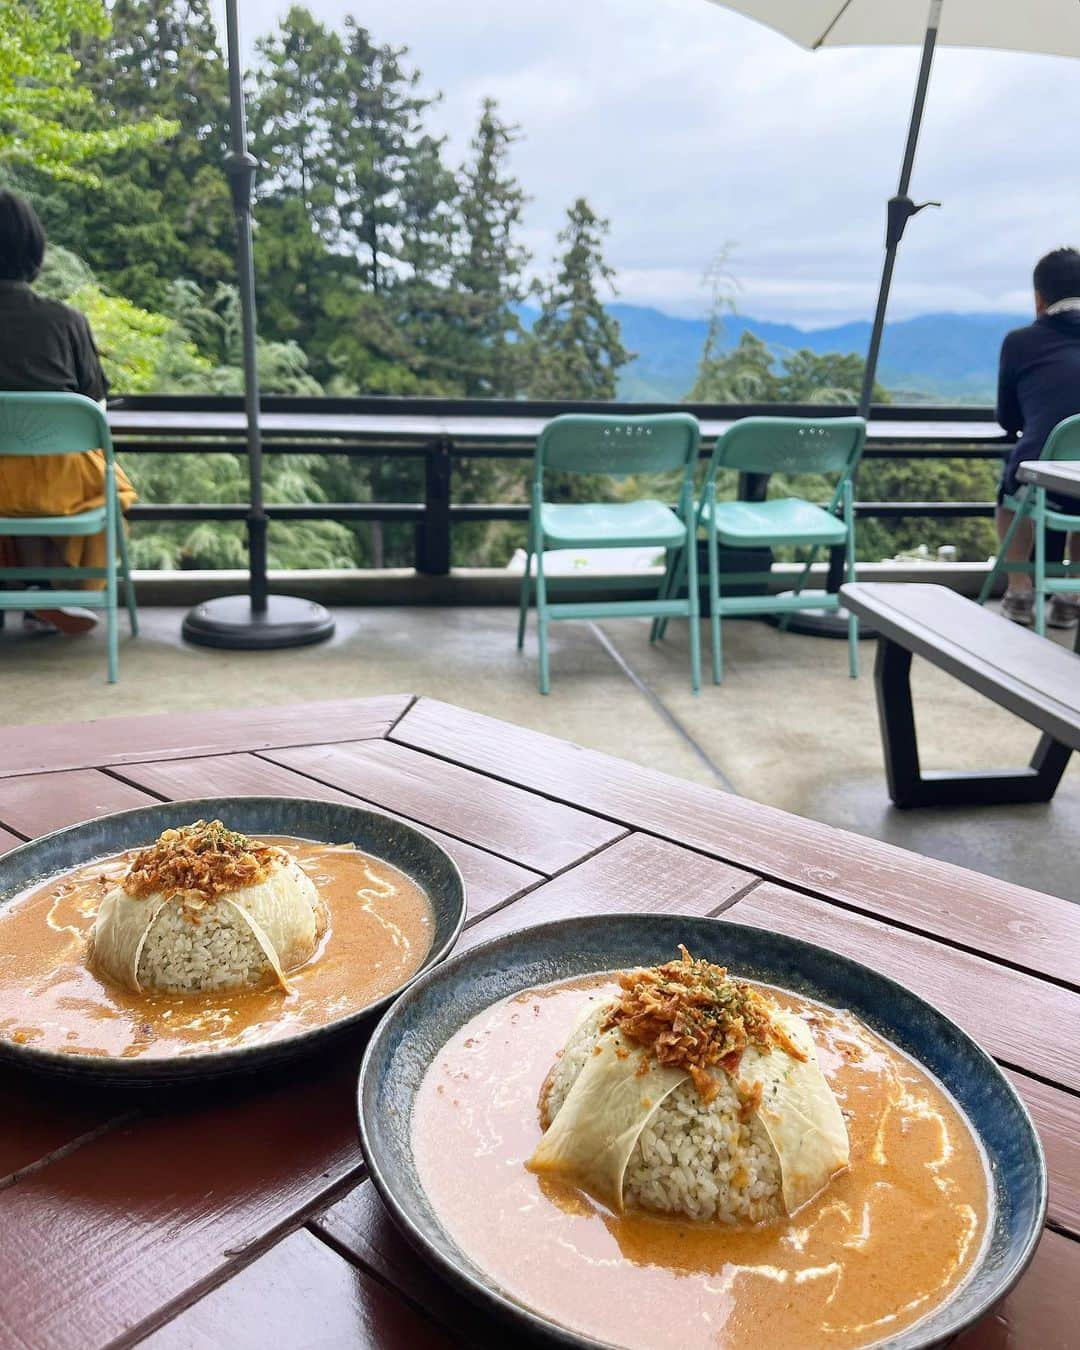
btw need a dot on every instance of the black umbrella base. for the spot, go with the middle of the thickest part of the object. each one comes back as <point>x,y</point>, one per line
<point>820,622</point>
<point>230,622</point>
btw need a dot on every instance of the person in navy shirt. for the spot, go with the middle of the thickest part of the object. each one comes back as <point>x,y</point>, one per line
<point>1038,387</point>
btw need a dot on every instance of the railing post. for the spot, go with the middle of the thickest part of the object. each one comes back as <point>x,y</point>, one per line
<point>433,532</point>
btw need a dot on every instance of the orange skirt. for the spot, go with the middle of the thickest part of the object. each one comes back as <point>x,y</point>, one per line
<point>60,485</point>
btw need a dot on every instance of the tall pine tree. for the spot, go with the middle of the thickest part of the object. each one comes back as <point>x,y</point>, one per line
<point>576,349</point>
<point>489,276</point>
<point>299,87</point>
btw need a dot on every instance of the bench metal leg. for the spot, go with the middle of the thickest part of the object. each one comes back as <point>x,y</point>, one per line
<point>909,786</point>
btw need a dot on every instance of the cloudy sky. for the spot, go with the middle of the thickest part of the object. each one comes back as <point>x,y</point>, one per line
<point>690,127</point>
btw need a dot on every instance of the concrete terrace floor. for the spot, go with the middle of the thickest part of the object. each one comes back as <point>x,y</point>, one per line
<point>787,726</point>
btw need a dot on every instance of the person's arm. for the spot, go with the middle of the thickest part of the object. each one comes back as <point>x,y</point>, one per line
<point>91,377</point>
<point>1008,404</point>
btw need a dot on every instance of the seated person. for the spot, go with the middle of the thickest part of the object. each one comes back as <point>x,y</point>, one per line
<point>1038,387</point>
<point>47,347</point>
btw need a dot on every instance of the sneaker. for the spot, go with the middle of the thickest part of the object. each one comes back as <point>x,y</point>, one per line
<point>71,622</point>
<point>1063,611</point>
<point>1019,606</point>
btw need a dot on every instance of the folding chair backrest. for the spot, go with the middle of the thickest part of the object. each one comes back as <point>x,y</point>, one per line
<point>52,424</point>
<point>591,443</point>
<point>791,445</point>
<point>1064,441</point>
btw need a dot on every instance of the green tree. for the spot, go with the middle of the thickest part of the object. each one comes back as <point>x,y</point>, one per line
<point>711,383</point>
<point>576,350</point>
<point>743,374</point>
<point>141,352</point>
<point>162,209</point>
<point>43,105</point>
<point>489,272</point>
<point>298,89</point>
<point>392,190</point>
<point>395,203</point>
<point>751,372</point>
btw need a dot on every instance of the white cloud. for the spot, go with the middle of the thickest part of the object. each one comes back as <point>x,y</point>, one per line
<point>688,125</point>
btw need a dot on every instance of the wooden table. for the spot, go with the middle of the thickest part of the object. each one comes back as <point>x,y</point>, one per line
<point>239,1215</point>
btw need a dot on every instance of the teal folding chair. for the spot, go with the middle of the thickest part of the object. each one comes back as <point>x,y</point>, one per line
<point>1062,443</point>
<point>769,445</point>
<point>65,424</point>
<point>618,446</point>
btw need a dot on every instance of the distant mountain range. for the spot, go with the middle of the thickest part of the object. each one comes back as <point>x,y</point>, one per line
<point>943,357</point>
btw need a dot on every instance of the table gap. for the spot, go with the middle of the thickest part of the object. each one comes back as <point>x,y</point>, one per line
<point>776,878</point>
<point>417,820</point>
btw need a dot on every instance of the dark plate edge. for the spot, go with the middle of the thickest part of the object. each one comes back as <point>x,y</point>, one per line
<point>506,1307</point>
<point>114,1070</point>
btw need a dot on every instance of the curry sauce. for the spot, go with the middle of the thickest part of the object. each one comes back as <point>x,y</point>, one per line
<point>880,1247</point>
<point>380,928</point>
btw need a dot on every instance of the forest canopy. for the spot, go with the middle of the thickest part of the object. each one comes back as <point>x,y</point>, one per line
<point>383,265</point>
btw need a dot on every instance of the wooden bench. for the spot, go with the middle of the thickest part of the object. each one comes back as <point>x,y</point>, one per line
<point>1030,676</point>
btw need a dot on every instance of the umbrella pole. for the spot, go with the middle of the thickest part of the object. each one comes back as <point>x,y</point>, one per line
<point>256,620</point>
<point>900,209</point>
<point>831,622</point>
<point>240,165</point>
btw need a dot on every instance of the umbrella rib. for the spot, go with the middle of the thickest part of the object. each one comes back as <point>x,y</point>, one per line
<point>832,23</point>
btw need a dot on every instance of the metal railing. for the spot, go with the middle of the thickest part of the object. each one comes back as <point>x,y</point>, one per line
<point>439,433</point>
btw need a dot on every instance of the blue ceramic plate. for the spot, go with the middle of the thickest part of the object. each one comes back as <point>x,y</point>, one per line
<point>420,1023</point>
<point>329,822</point>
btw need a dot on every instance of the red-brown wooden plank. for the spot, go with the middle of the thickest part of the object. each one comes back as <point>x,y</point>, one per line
<point>38,1117</point>
<point>1024,927</point>
<point>360,1225</point>
<point>546,836</point>
<point>637,875</point>
<point>97,1242</point>
<point>126,740</point>
<point>1026,1022</point>
<point>8,840</point>
<point>300,1293</point>
<point>1041,1312</point>
<point>489,880</point>
<point>1057,1118</point>
<point>37,803</point>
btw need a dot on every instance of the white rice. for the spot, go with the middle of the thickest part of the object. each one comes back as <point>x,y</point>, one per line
<point>218,952</point>
<point>697,1161</point>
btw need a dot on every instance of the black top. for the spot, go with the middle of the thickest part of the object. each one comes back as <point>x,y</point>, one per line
<point>45,346</point>
<point>1038,384</point>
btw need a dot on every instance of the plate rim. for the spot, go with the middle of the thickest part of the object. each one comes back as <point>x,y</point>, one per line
<point>229,1060</point>
<point>503,1304</point>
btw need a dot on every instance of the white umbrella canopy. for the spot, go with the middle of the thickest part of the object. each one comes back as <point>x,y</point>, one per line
<point>1048,27</point>
<point>1051,27</point>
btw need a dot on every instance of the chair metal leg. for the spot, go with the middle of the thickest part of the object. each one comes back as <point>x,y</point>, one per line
<point>1003,548</point>
<point>542,620</point>
<point>523,602</point>
<point>111,550</point>
<point>853,622</point>
<point>678,576</point>
<point>671,562</point>
<point>714,605</point>
<point>910,787</point>
<point>129,589</point>
<point>811,554</point>
<point>693,596</point>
